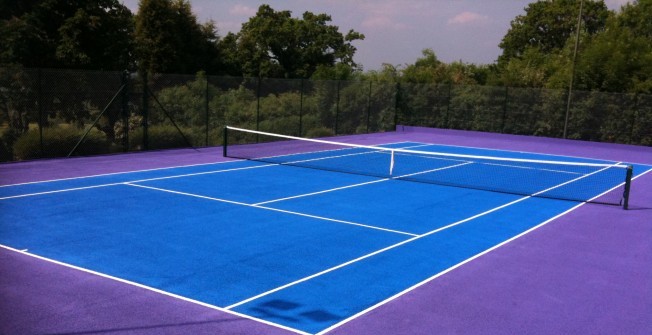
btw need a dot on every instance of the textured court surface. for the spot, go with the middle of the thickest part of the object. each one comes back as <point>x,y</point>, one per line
<point>584,271</point>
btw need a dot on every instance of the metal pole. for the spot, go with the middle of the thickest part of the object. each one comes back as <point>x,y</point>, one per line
<point>145,103</point>
<point>505,106</point>
<point>397,97</point>
<point>570,86</point>
<point>337,106</point>
<point>207,117</point>
<point>39,101</point>
<point>448,106</point>
<point>301,109</point>
<point>369,106</point>
<point>125,111</point>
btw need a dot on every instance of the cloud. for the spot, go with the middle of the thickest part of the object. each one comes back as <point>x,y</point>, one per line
<point>383,14</point>
<point>242,10</point>
<point>382,21</point>
<point>616,4</point>
<point>468,17</point>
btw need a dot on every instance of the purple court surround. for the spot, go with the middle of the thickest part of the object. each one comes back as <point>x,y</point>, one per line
<point>587,272</point>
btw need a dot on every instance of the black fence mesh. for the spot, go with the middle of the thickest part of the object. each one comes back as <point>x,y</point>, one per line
<point>58,113</point>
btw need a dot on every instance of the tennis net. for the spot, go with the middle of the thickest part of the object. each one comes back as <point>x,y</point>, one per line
<point>574,181</point>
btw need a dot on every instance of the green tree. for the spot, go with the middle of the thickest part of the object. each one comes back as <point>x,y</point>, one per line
<point>428,69</point>
<point>169,38</point>
<point>531,69</point>
<point>619,59</point>
<point>547,25</point>
<point>9,9</point>
<point>93,34</point>
<point>274,44</point>
<point>97,37</point>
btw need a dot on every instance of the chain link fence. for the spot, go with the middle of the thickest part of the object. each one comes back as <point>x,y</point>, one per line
<point>60,113</point>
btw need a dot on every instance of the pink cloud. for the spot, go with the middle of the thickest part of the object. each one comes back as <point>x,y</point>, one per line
<point>242,10</point>
<point>382,22</point>
<point>468,17</point>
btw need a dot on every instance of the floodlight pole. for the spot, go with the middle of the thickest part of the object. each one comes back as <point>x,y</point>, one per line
<point>570,86</point>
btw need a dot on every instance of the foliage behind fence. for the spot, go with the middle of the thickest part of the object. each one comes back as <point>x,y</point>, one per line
<point>48,113</point>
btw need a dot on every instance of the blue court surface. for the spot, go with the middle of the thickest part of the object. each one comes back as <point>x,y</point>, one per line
<point>298,248</point>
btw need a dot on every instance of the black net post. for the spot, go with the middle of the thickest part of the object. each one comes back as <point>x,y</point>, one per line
<point>224,142</point>
<point>628,183</point>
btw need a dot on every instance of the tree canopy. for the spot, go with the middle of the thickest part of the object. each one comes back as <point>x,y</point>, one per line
<point>274,44</point>
<point>95,34</point>
<point>166,37</point>
<point>169,38</point>
<point>547,25</point>
<point>613,56</point>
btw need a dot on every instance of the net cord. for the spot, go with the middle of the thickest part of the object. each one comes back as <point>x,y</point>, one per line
<point>431,154</point>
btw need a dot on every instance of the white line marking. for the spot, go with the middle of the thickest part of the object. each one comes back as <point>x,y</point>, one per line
<point>357,185</point>
<point>427,153</point>
<point>175,296</point>
<point>397,245</point>
<point>116,173</point>
<point>320,192</point>
<point>272,209</point>
<point>533,152</point>
<point>439,274</point>
<point>229,160</point>
<point>149,288</point>
<point>331,269</point>
<point>136,181</point>
<point>58,191</point>
<point>143,180</point>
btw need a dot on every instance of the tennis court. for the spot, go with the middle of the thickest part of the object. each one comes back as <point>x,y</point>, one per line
<point>383,237</point>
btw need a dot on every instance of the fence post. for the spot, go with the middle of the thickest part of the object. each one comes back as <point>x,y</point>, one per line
<point>337,106</point>
<point>369,105</point>
<point>397,97</point>
<point>634,117</point>
<point>124,106</point>
<point>39,101</point>
<point>145,103</point>
<point>258,88</point>
<point>207,117</point>
<point>301,109</point>
<point>506,102</point>
<point>448,106</point>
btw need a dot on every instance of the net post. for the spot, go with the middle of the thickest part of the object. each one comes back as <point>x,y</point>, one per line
<point>628,183</point>
<point>224,142</point>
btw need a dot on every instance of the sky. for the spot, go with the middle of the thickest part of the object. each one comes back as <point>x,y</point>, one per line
<point>396,31</point>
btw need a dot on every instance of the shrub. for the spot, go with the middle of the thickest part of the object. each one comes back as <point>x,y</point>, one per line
<point>58,142</point>
<point>319,132</point>
<point>7,140</point>
<point>160,137</point>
